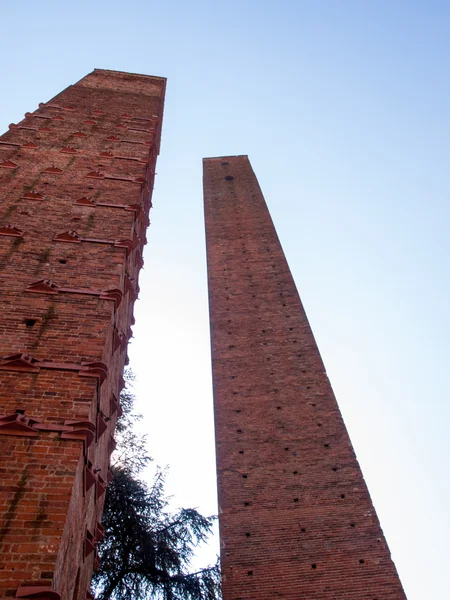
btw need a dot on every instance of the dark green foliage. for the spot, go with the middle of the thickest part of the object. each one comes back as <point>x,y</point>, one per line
<point>146,550</point>
<point>131,446</point>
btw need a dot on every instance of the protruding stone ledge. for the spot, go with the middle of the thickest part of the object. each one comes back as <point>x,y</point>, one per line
<point>46,286</point>
<point>37,592</point>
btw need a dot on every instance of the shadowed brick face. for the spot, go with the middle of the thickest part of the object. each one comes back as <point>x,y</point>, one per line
<point>296,519</point>
<point>76,177</point>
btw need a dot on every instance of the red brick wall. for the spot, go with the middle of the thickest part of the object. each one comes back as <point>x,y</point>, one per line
<point>81,165</point>
<point>296,519</point>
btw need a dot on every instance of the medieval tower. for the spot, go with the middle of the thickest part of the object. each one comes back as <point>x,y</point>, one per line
<point>296,519</point>
<point>76,178</point>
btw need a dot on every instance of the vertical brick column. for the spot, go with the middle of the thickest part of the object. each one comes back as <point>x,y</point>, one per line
<point>296,519</point>
<point>76,178</point>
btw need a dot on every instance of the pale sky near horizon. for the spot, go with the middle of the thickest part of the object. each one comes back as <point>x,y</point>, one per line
<point>343,109</point>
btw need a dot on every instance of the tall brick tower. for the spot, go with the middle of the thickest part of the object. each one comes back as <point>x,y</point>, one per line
<point>76,179</point>
<point>296,519</point>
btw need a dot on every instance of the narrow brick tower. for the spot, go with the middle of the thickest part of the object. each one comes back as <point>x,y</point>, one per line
<point>76,179</point>
<point>296,519</point>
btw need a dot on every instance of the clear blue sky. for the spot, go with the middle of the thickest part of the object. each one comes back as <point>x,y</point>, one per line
<point>343,108</point>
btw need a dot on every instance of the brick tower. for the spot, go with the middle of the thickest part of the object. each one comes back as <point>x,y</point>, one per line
<point>296,519</point>
<point>76,178</point>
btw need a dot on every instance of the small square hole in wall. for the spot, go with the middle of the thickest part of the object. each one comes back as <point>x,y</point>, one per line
<point>30,322</point>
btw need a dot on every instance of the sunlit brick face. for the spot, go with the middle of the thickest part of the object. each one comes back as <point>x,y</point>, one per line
<point>76,178</point>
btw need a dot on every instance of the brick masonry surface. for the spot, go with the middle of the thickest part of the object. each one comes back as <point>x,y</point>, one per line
<point>76,178</point>
<point>296,518</point>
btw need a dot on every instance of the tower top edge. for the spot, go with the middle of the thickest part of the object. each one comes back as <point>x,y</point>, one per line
<point>129,73</point>
<point>229,156</point>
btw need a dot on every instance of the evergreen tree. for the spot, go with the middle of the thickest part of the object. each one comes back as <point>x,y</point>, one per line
<point>146,551</point>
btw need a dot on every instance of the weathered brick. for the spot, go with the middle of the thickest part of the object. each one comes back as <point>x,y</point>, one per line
<point>296,518</point>
<point>52,190</point>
